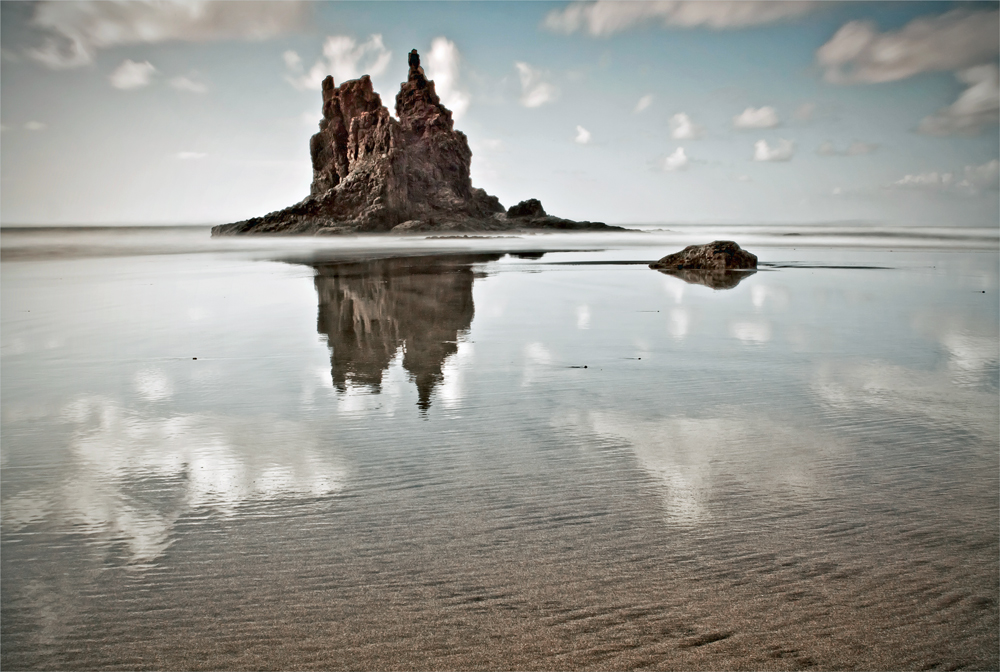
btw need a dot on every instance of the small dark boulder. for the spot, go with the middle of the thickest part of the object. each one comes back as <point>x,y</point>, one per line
<point>529,208</point>
<point>721,255</point>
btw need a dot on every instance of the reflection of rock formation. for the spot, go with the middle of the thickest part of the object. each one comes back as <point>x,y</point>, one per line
<point>713,279</point>
<point>369,309</point>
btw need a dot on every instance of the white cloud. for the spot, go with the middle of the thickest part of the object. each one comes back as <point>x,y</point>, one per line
<point>644,103</point>
<point>676,161</point>
<point>764,117</point>
<point>607,17</point>
<point>131,75</point>
<point>189,156</point>
<point>957,39</point>
<point>535,91</point>
<point>188,84</point>
<point>976,108</point>
<point>35,126</point>
<point>345,59</point>
<point>582,136</point>
<point>77,30</point>
<point>783,150</point>
<point>442,67</point>
<point>975,179</point>
<point>856,148</point>
<point>682,128</point>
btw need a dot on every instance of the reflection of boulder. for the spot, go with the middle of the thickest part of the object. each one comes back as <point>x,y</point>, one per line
<point>369,309</point>
<point>713,279</point>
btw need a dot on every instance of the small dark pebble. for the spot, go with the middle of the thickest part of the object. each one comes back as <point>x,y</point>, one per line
<point>194,358</point>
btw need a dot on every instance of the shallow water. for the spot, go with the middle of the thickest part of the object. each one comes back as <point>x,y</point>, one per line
<point>529,452</point>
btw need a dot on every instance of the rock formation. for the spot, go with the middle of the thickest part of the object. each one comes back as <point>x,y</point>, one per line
<point>720,265</point>
<point>372,173</point>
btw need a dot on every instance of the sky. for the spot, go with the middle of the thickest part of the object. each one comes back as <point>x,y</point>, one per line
<point>670,112</point>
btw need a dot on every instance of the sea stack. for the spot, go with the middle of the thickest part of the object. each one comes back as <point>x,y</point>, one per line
<point>372,173</point>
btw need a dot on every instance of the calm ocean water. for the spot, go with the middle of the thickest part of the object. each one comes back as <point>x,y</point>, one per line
<point>517,452</point>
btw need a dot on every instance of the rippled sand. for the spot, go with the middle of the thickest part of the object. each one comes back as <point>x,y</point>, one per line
<point>215,460</point>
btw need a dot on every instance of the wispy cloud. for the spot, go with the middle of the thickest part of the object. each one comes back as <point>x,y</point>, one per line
<point>190,156</point>
<point>182,83</point>
<point>443,67</point>
<point>345,59</point>
<point>35,126</point>
<point>608,17</point>
<point>131,75</point>
<point>961,38</point>
<point>644,103</point>
<point>76,31</point>
<point>764,117</point>
<point>535,89</point>
<point>976,108</point>
<point>582,136</point>
<point>783,150</point>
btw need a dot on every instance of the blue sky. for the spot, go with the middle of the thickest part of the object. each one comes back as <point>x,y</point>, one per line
<point>655,112</point>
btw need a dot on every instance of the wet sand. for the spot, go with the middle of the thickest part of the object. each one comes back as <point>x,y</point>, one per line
<point>400,463</point>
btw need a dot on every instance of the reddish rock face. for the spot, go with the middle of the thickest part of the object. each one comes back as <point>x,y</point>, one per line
<point>374,172</point>
<point>354,125</point>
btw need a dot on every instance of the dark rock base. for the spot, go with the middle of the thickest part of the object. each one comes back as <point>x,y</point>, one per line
<point>304,220</point>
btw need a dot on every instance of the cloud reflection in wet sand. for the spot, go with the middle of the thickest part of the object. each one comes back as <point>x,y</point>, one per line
<point>134,476</point>
<point>692,457</point>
